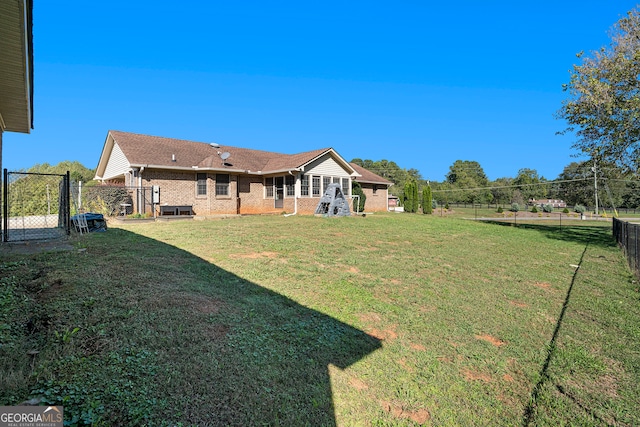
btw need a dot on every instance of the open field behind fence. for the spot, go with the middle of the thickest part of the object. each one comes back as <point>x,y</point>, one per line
<point>627,234</point>
<point>392,319</point>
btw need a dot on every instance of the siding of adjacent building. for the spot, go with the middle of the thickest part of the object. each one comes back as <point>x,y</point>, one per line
<point>117,165</point>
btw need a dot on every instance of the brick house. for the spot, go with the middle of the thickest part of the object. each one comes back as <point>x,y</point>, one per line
<point>553,202</point>
<point>210,179</point>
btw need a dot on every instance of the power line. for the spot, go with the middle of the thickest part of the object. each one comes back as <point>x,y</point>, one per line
<point>512,186</point>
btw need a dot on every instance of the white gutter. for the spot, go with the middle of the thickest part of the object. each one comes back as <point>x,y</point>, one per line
<point>295,202</point>
<point>140,170</point>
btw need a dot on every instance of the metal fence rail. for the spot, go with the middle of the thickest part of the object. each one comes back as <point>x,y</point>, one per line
<point>627,235</point>
<point>35,206</point>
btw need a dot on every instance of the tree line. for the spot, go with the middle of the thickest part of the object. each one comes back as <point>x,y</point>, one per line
<point>466,182</point>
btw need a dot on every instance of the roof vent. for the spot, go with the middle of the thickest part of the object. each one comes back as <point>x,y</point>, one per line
<point>173,157</point>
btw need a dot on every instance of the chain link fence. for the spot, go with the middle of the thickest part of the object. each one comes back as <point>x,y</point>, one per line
<point>627,235</point>
<point>113,200</point>
<point>35,206</point>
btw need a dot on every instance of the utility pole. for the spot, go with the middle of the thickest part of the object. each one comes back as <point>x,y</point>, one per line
<point>595,182</point>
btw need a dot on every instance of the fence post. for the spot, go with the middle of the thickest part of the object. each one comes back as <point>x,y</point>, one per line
<point>5,207</point>
<point>635,244</point>
<point>67,203</point>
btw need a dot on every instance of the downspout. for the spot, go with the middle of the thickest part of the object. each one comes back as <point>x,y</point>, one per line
<point>139,198</point>
<point>295,201</point>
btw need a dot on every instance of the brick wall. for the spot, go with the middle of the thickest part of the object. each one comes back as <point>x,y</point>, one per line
<point>375,202</point>
<point>179,188</point>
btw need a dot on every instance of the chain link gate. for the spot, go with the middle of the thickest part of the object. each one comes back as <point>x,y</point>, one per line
<point>36,206</point>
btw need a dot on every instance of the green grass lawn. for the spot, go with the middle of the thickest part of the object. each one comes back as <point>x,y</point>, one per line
<point>391,319</point>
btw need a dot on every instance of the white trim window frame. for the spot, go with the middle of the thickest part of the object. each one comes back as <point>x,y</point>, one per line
<point>304,185</point>
<point>315,186</point>
<point>223,183</point>
<point>345,187</point>
<point>290,186</point>
<point>326,181</point>
<point>268,187</point>
<point>201,184</point>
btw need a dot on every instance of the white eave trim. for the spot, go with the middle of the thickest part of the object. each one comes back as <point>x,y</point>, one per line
<point>334,154</point>
<point>374,182</point>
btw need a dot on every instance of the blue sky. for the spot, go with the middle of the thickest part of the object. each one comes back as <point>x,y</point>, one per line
<point>420,83</point>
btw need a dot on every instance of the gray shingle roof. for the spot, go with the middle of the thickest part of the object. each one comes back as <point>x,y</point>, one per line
<point>159,151</point>
<point>368,176</point>
<point>156,151</point>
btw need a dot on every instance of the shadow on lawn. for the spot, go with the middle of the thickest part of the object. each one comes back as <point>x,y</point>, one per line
<point>227,351</point>
<point>585,234</point>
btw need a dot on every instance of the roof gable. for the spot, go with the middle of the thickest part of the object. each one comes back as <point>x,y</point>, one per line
<point>170,153</point>
<point>369,177</point>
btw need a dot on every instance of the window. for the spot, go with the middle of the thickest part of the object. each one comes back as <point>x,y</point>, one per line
<point>290,183</point>
<point>326,181</point>
<point>345,186</point>
<point>336,180</point>
<point>304,185</point>
<point>316,186</point>
<point>222,184</point>
<point>201,186</point>
<point>375,188</point>
<point>268,188</point>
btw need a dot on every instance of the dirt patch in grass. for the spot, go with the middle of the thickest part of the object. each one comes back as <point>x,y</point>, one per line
<point>542,285</point>
<point>50,291</point>
<point>217,332</point>
<point>491,340</point>
<point>384,335</point>
<point>358,384</point>
<point>406,366</point>
<point>470,375</point>
<point>255,255</point>
<point>418,347</point>
<point>370,318</point>
<point>419,416</point>
<point>519,304</point>
<point>36,247</point>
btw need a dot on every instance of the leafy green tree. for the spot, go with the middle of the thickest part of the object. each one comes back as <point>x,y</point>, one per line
<point>33,194</point>
<point>631,196</point>
<point>502,191</point>
<point>427,200</point>
<point>469,179</point>
<point>575,184</point>
<point>411,201</point>
<point>407,201</point>
<point>530,184</point>
<point>77,171</point>
<point>603,105</point>
<point>356,190</point>
<point>391,171</point>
